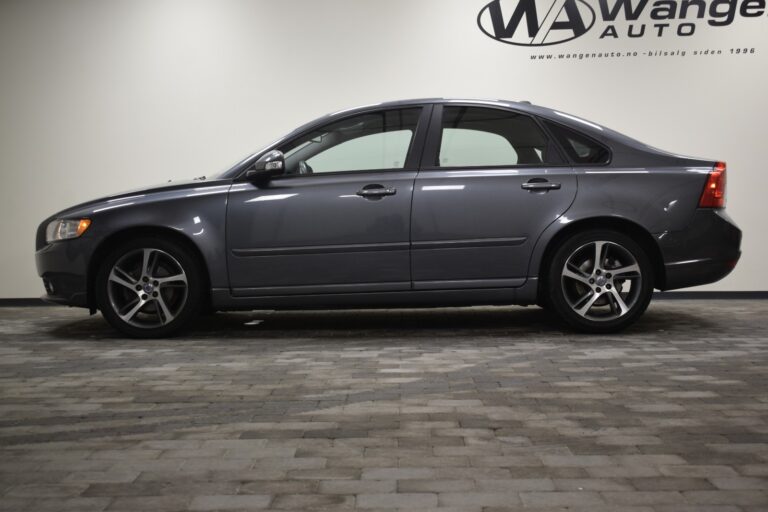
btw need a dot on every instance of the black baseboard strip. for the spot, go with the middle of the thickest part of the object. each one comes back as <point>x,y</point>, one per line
<point>20,303</point>
<point>710,295</point>
<point>17,303</point>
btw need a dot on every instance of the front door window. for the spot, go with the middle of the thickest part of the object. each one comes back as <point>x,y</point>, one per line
<point>368,142</point>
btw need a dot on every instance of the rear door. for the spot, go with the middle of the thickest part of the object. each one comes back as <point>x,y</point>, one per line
<point>491,182</point>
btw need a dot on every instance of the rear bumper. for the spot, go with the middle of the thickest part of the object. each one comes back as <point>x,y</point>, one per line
<point>705,252</point>
<point>64,270</point>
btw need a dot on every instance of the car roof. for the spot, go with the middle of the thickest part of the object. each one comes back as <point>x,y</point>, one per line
<point>520,106</point>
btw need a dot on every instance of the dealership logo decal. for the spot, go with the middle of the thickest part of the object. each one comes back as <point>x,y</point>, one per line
<point>562,21</point>
<point>548,22</point>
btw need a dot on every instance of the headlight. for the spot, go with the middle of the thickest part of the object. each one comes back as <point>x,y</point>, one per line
<point>63,229</point>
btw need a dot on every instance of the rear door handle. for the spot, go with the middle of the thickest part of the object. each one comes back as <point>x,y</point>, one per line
<point>376,191</point>
<point>540,185</point>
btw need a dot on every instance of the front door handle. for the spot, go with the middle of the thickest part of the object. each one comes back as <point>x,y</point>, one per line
<point>539,184</point>
<point>376,191</point>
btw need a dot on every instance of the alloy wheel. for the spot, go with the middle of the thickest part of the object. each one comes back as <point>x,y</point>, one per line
<point>601,281</point>
<point>147,288</point>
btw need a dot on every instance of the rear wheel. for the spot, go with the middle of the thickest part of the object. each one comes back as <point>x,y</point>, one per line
<point>149,287</point>
<point>599,281</point>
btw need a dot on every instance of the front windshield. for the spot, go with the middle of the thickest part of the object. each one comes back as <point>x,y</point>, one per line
<point>225,173</point>
<point>231,171</point>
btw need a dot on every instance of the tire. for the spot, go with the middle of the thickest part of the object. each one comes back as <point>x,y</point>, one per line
<point>149,287</point>
<point>602,299</point>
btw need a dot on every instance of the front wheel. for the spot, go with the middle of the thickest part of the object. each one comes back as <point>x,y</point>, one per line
<point>149,287</point>
<point>600,281</point>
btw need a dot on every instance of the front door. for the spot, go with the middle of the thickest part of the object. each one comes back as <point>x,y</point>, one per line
<point>338,220</point>
<point>491,183</point>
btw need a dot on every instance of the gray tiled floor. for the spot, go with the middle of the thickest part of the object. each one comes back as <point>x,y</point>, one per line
<point>485,409</point>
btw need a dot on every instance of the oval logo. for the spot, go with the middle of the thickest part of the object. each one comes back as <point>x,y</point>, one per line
<point>536,22</point>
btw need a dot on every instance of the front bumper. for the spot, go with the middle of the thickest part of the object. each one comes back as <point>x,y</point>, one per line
<point>705,252</point>
<point>64,269</point>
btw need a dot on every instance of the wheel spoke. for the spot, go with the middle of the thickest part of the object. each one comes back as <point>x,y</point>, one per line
<point>166,316</point>
<point>578,276</point>
<point>598,264</point>
<point>135,309</point>
<point>612,304</point>
<point>619,301</point>
<point>178,278</point>
<point>148,263</point>
<point>127,276</point>
<point>583,298</point>
<point>586,307</point>
<point>633,271</point>
<point>119,279</point>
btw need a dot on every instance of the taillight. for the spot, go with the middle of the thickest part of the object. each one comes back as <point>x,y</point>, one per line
<point>714,191</point>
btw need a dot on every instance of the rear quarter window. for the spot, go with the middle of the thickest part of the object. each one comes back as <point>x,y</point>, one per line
<point>580,148</point>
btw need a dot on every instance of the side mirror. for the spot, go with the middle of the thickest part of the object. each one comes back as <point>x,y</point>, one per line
<point>269,165</point>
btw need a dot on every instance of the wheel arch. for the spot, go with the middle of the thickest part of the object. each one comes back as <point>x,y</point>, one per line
<point>638,233</point>
<point>111,241</point>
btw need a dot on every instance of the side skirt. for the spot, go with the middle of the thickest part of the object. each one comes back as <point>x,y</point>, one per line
<point>222,299</point>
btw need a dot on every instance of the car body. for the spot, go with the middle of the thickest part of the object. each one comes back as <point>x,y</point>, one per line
<point>478,198</point>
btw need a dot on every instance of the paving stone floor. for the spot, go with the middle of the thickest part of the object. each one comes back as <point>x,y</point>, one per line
<point>484,409</point>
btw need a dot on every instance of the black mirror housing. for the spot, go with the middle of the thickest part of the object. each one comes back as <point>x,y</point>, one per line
<point>270,165</point>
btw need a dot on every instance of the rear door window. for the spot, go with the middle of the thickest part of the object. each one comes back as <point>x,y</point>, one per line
<point>486,137</point>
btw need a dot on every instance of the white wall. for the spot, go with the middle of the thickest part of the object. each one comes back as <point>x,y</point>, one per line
<point>98,97</point>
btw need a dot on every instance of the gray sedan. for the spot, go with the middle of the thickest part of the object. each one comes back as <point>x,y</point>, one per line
<point>412,203</point>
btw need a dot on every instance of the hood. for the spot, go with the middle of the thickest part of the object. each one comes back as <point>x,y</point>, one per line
<point>164,187</point>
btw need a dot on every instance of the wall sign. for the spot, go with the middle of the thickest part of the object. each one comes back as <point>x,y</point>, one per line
<point>536,23</point>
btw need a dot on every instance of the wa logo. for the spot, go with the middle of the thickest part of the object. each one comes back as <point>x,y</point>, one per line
<point>536,22</point>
